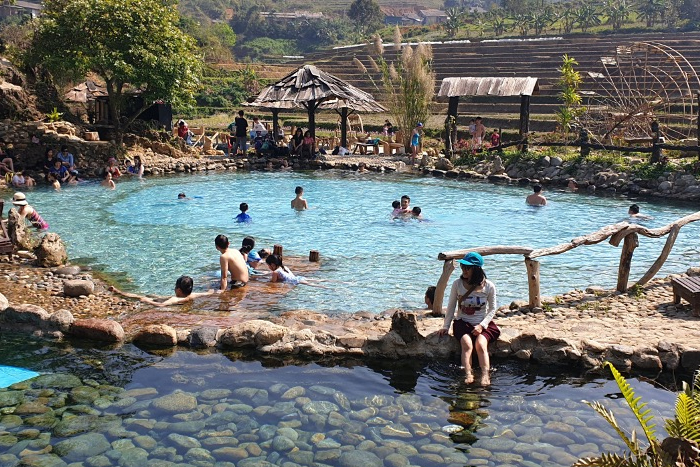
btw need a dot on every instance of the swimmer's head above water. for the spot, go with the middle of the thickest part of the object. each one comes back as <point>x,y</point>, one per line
<point>181,196</point>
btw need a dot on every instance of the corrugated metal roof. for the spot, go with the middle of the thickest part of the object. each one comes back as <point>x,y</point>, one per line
<point>333,104</point>
<point>503,87</point>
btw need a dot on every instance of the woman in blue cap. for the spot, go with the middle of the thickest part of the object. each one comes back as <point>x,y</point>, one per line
<point>474,297</point>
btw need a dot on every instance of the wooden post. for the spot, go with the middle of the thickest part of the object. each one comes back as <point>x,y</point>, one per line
<point>314,256</point>
<point>275,123</point>
<point>524,120</point>
<point>277,250</point>
<point>311,107</point>
<point>533,282</point>
<point>668,246</point>
<point>344,127</point>
<point>697,102</point>
<point>451,129</point>
<point>447,269</point>
<point>623,274</point>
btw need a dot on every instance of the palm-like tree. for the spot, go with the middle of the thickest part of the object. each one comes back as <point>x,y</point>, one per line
<point>587,16</point>
<point>523,23</point>
<point>453,22</point>
<point>497,21</point>
<point>567,17</point>
<point>541,19</point>
<point>650,10</point>
<point>617,11</point>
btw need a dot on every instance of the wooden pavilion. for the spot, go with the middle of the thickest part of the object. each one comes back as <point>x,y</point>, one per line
<point>454,88</point>
<point>313,89</point>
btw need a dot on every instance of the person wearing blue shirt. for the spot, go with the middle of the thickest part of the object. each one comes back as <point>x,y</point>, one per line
<point>243,216</point>
<point>67,160</point>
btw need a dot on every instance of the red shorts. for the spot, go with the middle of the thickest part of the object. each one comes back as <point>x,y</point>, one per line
<point>460,328</point>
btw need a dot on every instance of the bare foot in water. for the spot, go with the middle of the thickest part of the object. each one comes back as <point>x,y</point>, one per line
<point>469,378</point>
<point>485,379</point>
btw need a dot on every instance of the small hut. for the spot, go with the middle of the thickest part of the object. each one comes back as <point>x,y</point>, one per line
<point>314,89</point>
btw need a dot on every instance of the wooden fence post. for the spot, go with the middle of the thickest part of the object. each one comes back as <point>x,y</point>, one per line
<point>314,256</point>
<point>623,273</point>
<point>277,250</point>
<point>533,282</point>
<point>447,270</point>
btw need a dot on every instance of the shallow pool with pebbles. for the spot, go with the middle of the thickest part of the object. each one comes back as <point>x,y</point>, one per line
<point>127,407</point>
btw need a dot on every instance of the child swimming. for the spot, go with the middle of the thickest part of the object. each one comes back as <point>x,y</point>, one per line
<point>397,209</point>
<point>281,273</point>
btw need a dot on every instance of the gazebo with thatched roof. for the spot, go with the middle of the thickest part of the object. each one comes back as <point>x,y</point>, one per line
<point>314,89</point>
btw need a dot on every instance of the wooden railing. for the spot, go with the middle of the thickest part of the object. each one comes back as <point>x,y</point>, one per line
<point>623,231</point>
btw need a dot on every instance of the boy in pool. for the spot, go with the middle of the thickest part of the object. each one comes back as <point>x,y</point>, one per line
<point>183,293</point>
<point>536,198</point>
<point>231,260</point>
<point>243,216</point>
<point>299,203</point>
<point>416,213</point>
<point>430,297</point>
<point>634,213</point>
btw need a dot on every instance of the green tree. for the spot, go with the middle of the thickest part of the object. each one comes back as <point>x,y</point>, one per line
<point>523,23</point>
<point>453,22</point>
<point>569,83</point>
<point>497,20</point>
<point>586,16</point>
<point>366,15</point>
<point>128,43</point>
<point>541,19</point>
<point>650,11</point>
<point>617,11</point>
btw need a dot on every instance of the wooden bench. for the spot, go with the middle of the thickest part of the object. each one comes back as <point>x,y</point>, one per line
<point>363,147</point>
<point>689,289</point>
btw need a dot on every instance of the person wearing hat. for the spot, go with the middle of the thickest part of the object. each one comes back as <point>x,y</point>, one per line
<point>27,212</point>
<point>473,297</point>
<point>415,142</point>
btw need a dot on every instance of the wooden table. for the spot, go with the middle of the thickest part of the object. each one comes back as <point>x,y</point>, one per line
<point>364,146</point>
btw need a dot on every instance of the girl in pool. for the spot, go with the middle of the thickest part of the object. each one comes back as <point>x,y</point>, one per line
<point>281,273</point>
<point>27,212</point>
<point>474,297</point>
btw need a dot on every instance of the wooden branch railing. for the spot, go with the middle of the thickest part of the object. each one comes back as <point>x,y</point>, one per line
<point>616,232</point>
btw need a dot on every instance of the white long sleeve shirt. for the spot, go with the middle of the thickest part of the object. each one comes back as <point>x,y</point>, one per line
<point>478,308</point>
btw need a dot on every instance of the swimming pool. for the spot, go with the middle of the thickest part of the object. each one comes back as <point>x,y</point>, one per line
<point>146,237</point>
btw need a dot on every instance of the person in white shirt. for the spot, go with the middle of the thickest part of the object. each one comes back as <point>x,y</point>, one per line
<point>257,126</point>
<point>473,297</point>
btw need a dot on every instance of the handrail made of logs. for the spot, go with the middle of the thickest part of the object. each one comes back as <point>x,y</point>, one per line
<point>616,232</point>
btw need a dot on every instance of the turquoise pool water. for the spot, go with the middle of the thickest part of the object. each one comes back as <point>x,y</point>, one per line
<point>126,407</point>
<point>142,233</point>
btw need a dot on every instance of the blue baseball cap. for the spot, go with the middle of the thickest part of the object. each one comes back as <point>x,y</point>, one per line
<point>472,259</point>
<point>419,124</point>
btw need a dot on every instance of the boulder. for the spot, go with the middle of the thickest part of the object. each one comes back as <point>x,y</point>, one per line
<point>444,163</point>
<point>76,288</point>
<point>404,324</point>
<point>157,335</point>
<point>252,334</point>
<point>98,329</point>
<point>51,251</point>
<point>17,230</point>
<point>25,314</point>
<point>3,303</point>
<point>203,337</point>
<point>61,320</point>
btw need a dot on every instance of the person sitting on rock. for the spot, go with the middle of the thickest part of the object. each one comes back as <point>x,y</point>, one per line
<point>67,160</point>
<point>60,172</point>
<point>183,293</point>
<point>20,181</point>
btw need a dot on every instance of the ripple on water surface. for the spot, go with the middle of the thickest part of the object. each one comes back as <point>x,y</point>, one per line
<point>141,229</point>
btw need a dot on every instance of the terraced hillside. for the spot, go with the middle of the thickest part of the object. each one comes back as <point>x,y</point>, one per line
<point>539,59</point>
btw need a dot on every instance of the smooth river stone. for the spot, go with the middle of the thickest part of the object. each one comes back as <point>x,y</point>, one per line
<point>293,393</point>
<point>364,414</point>
<point>215,394</point>
<point>83,446</point>
<point>11,398</point>
<point>199,455</point>
<point>396,460</point>
<point>302,457</point>
<point>320,407</point>
<point>177,402</point>
<point>56,380</point>
<point>282,443</point>
<point>185,442</point>
<point>323,390</point>
<point>397,430</point>
<point>327,455</point>
<point>359,459</point>
<point>230,454</point>
<point>288,433</point>
<point>342,400</point>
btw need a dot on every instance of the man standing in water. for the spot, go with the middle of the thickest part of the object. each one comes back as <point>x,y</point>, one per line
<point>299,203</point>
<point>536,198</point>
<point>232,261</point>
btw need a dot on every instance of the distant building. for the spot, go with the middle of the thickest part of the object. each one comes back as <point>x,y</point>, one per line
<point>432,16</point>
<point>412,16</point>
<point>290,16</point>
<point>19,8</point>
<point>408,16</point>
